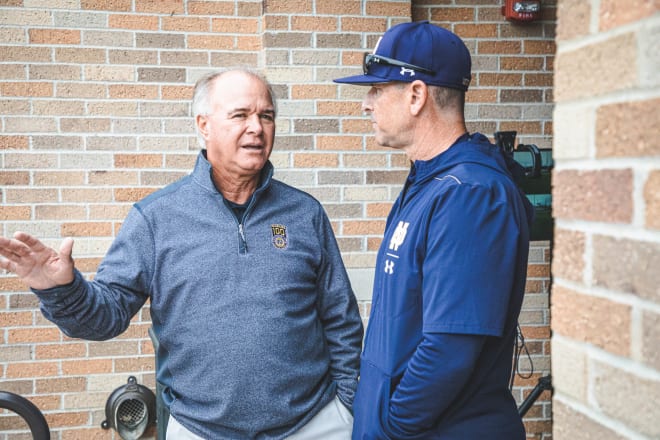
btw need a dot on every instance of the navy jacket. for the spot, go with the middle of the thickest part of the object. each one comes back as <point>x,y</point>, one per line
<point>257,324</point>
<point>449,283</point>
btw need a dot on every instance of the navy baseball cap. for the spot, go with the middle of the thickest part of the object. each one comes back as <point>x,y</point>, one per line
<point>416,50</point>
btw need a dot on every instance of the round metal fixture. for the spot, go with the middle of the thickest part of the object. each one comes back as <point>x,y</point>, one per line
<point>130,409</point>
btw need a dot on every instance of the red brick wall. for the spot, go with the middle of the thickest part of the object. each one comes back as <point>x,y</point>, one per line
<point>94,115</point>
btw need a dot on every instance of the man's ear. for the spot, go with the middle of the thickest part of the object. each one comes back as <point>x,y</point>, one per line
<point>202,125</point>
<point>419,94</point>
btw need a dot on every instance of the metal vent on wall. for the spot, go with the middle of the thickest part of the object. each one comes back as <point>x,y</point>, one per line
<point>130,409</point>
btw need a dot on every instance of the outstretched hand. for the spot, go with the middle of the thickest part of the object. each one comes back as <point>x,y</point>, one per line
<point>39,266</point>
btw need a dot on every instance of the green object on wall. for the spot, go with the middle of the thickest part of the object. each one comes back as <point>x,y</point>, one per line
<point>537,164</point>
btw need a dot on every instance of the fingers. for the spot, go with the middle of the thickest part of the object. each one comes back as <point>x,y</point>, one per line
<point>30,241</point>
<point>21,246</point>
<point>5,264</point>
<point>25,247</point>
<point>12,249</point>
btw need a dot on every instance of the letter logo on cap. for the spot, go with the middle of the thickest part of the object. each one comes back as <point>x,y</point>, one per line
<point>404,71</point>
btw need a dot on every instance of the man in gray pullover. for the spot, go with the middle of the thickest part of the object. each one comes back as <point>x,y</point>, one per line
<point>258,328</point>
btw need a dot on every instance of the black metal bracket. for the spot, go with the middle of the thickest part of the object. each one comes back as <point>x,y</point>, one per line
<point>544,383</point>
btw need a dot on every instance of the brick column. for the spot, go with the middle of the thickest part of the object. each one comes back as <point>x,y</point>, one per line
<point>605,296</point>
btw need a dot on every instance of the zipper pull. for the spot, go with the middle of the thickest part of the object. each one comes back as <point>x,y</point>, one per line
<point>242,234</point>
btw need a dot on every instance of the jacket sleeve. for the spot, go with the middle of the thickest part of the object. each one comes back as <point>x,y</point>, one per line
<point>469,262</point>
<point>340,317</point>
<point>102,309</point>
<point>435,376</point>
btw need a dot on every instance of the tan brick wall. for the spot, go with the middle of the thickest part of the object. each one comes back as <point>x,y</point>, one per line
<point>95,114</point>
<point>605,297</point>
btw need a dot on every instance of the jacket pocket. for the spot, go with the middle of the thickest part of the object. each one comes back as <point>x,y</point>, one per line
<point>371,404</point>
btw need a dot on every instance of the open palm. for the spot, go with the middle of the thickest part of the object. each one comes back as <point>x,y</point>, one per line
<point>39,266</point>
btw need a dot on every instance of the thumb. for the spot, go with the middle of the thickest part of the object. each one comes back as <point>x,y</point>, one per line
<point>66,248</point>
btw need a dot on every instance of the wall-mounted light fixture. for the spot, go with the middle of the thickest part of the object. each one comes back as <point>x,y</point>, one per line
<point>521,10</point>
<point>130,409</point>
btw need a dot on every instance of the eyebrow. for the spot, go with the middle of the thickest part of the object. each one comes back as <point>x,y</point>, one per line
<point>247,110</point>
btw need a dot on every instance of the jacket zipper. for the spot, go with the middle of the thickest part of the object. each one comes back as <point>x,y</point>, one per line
<point>241,232</point>
<point>243,247</point>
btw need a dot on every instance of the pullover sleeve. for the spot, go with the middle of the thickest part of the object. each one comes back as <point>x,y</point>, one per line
<point>103,308</point>
<point>340,317</point>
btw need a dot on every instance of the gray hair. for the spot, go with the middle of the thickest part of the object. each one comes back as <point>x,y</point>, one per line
<point>444,98</point>
<point>201,104</point>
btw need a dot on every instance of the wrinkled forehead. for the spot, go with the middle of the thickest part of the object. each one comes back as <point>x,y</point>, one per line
<point>238,90</point>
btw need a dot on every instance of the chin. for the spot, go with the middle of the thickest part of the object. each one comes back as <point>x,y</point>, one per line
<point>382,142</point>
<point>253,165</point>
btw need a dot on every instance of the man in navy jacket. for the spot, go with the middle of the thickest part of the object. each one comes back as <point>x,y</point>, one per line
<point>451,269</point>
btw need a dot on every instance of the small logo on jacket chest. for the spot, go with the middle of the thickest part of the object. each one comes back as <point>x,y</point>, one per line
<point>397,240</point>
<point>279,236</point>
<point>399,235</point>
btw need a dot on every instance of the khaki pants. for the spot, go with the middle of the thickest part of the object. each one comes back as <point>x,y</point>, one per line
<point>333,422</point>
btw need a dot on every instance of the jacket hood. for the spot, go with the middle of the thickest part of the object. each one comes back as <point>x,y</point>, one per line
<point>475,149</point>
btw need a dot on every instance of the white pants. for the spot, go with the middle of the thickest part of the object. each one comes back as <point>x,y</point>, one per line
<point>333,422</point>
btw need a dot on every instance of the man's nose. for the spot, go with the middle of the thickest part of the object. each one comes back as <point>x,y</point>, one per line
<point>367,103</point>
<point>254,124</point>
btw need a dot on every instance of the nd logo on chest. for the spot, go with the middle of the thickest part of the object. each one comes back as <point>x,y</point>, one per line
<point>397,240</point>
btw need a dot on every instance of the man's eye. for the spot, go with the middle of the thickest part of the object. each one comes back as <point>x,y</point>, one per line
<point>267,117</point>
<point>238,116</point>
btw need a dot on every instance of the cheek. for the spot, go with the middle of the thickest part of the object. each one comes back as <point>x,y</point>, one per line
<point>383,104</point>
<point>269,133</point>
<point>215,130</point>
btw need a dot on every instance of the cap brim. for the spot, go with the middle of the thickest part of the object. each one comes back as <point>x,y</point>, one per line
<point>361,80</point>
